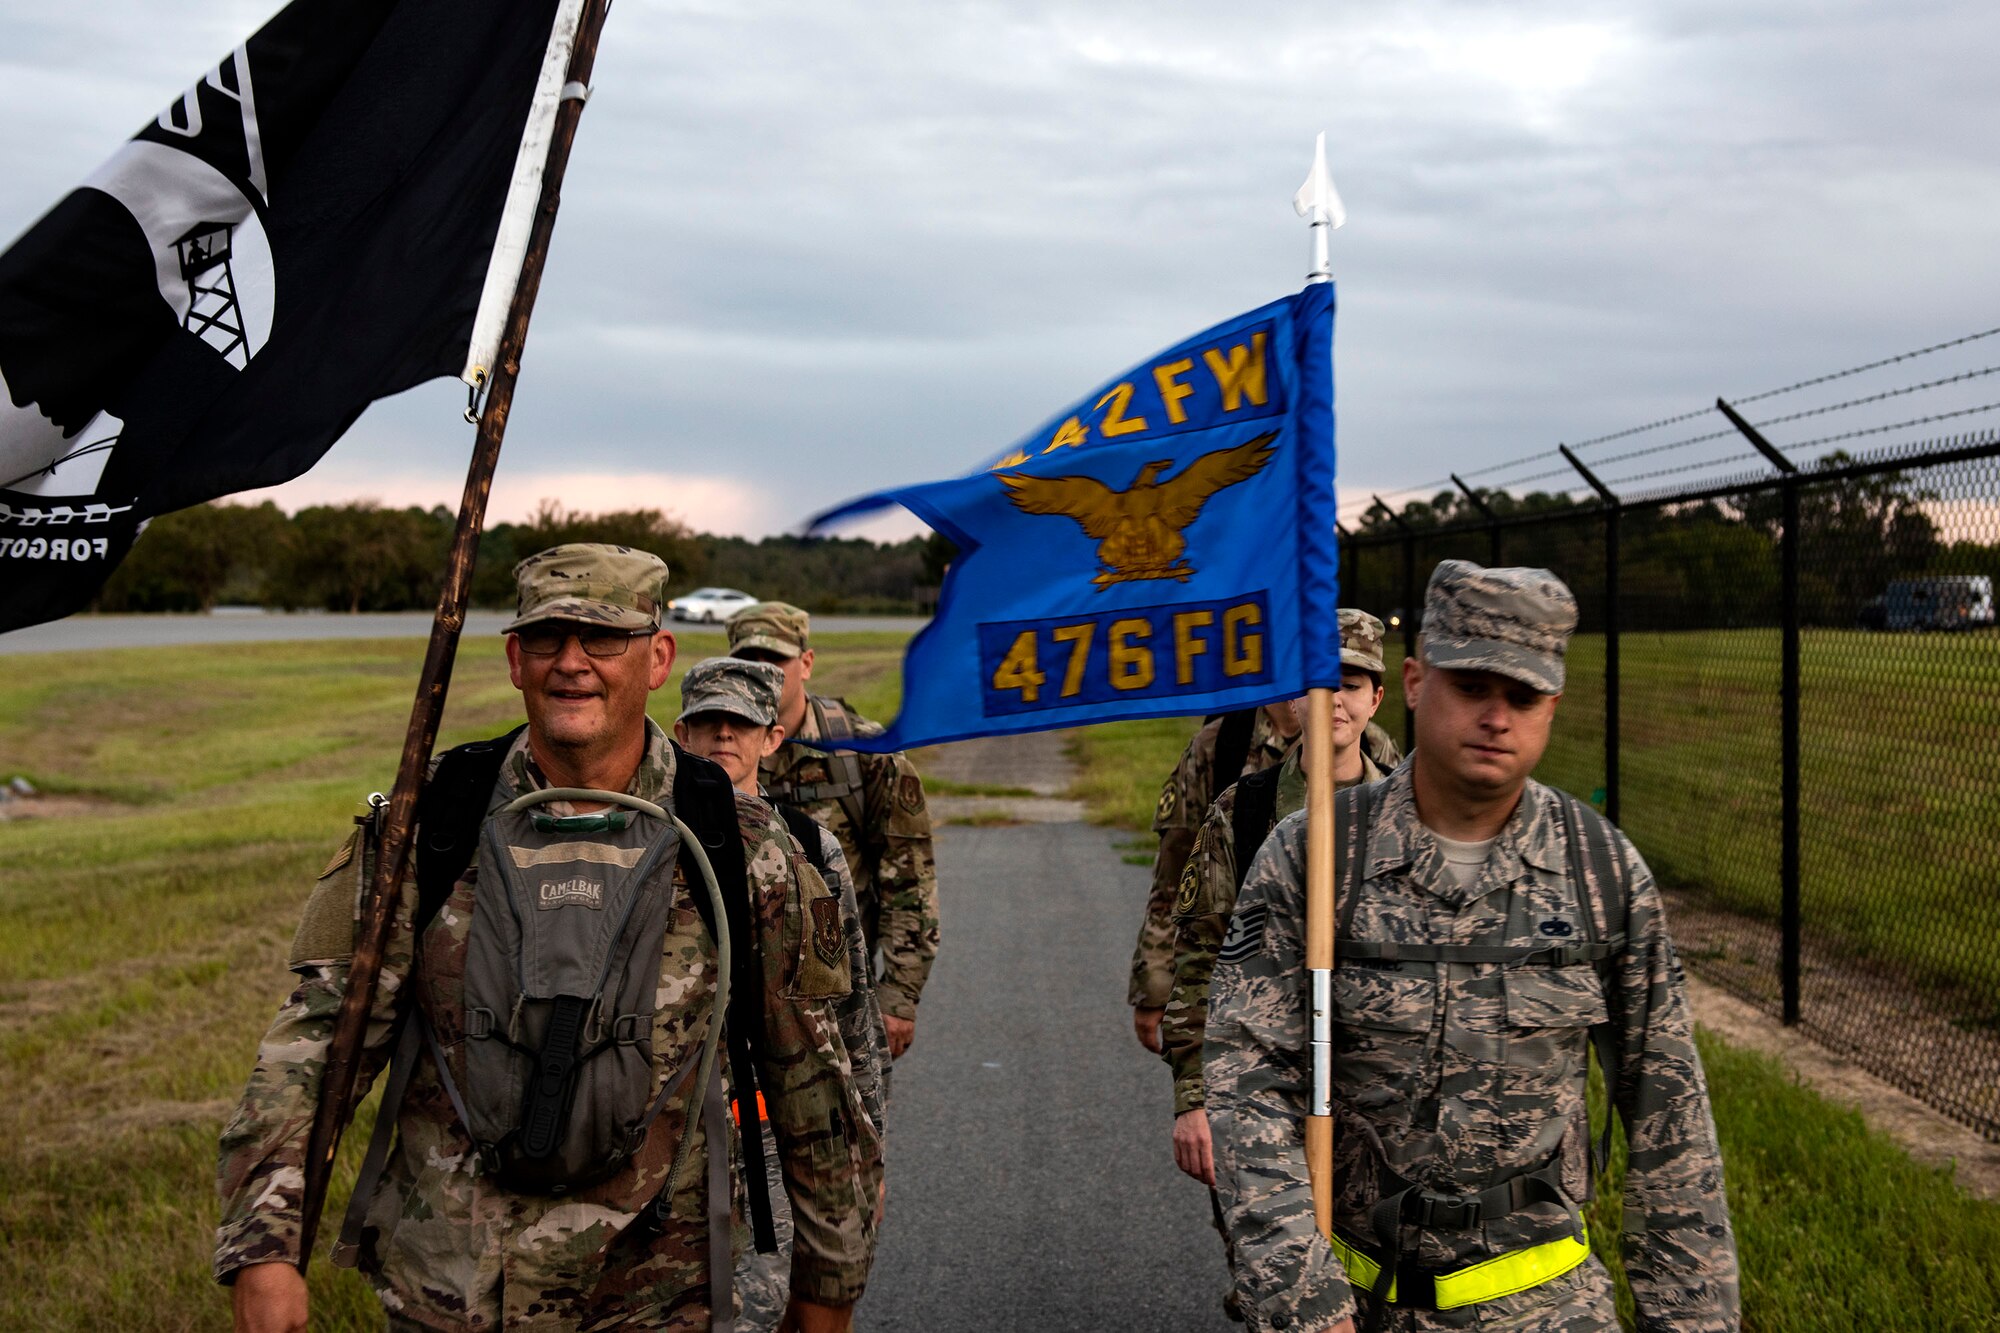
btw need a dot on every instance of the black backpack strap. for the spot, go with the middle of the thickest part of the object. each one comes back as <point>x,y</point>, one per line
<point>1232,745</point>
<point>1250,819</point>
<point>705,800</point>
<point>450,812</point>
<point>807,830</point>
<point>1594,856</point>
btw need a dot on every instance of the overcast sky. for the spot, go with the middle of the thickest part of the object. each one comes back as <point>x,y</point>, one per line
<point>809,249</point>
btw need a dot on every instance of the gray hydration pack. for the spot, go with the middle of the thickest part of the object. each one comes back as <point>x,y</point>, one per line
<point>562,969</point>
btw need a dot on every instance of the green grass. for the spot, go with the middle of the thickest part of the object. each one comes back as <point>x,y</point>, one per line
<point>142,943</point>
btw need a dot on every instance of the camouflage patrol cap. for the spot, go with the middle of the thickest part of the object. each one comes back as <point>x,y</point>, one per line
<point>774,627</point>
<point>1515,622</point>
<point>744,689</point>
<point>1360,640</point>
<point>588,581</point>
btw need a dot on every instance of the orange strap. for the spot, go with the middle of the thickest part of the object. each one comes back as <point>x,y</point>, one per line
<point>736,1109</point>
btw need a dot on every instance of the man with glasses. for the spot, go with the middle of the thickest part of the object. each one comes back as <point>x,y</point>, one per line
<point>444,1225</point>
<point>873,803</point>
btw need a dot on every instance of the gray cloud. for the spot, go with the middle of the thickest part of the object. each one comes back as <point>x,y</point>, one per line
<point>823,248</point>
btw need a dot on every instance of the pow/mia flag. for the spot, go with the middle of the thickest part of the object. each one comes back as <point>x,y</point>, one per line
<point>305,229</point>
<point>1162,547</point>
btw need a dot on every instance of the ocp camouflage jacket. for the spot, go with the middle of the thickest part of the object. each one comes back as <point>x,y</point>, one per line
<point>888,853</point>
<point>452,1250</point>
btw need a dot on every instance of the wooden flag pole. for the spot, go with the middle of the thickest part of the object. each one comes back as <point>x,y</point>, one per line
<point>1320,918</point>
<point>343,1061</point>
<point>1320,202</point>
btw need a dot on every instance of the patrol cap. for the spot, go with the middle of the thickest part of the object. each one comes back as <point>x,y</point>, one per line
<point>732,685</point>
<point>774,627</point>
<point>591,582</point>
<point>1360,640</point>
<point>1515,622</point>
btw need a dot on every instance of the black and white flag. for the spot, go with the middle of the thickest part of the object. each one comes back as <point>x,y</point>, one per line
<point>308,228</point>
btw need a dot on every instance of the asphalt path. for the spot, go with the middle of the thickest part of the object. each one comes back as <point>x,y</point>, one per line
<point>1031,1183</point>
<point>254,626</point>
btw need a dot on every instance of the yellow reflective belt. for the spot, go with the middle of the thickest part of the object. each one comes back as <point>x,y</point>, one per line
<point>1502,1275</point>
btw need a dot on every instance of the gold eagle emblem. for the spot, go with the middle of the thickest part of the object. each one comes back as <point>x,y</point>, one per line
<point>1138,529</point>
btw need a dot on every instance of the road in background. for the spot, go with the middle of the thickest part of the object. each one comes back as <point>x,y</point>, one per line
<point>254,626</point>
<point>1031,1181</point>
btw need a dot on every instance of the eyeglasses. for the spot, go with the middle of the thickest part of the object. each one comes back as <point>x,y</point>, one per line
<point>596,640</point>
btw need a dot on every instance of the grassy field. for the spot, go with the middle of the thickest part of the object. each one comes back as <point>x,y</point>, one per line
<point>142,938</point>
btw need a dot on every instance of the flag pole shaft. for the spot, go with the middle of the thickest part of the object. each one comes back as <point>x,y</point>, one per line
<point>338,1079</point>
<point>1320,918</point>
<point>1317,201</point>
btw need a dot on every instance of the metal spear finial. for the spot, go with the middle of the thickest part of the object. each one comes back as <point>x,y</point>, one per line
<point>1318,200</point>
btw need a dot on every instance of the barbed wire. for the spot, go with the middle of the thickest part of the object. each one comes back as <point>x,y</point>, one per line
<point>1872,365</point>
<point>1792,388</point>
<point>1444,483</point>
<point>1710,436</point>
<point>1882,430</point>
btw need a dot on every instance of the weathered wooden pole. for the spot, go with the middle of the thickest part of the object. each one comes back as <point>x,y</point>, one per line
<point>337,1094</point>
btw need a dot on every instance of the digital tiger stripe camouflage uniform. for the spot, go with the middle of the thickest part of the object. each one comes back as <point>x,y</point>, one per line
<point>1460,1081</point>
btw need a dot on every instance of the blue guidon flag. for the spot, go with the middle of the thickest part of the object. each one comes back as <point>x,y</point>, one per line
<point>1162,547</point>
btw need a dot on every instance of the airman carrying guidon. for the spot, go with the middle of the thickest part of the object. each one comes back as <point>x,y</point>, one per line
<point>1491,932</point>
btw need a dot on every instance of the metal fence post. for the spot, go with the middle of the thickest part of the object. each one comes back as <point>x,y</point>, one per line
<point>1410,612</point>
<point>1611,599</point>
<point>1791,915</point>
<point>1492,520</point>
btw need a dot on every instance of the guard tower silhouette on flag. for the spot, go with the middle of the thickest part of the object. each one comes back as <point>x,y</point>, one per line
<point>213,315</point>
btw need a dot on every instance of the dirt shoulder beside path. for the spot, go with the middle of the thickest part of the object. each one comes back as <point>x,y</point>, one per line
<point>1929,1137</point>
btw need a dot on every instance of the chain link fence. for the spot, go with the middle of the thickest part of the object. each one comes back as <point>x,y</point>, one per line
<point>1786,689</point>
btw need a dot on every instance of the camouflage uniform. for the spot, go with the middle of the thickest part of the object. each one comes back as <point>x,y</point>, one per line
<point>750,690</point>
<point>1207,891</point>
<point>449,1249</point>
<point>1461,1076</point>
<point>888,849</point>
<point>1176,818</point>
<point>761,1278</point>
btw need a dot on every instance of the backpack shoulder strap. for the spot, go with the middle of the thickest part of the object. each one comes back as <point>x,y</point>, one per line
<point>807,830</point>
<point>450,812</point>
<point>1594,856</point>
<point>1251,817</point>
<point>1232,745</point>
<point>705,800</point>
<point>836,724</point>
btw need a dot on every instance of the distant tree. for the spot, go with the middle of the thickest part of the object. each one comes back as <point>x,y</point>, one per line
<point>654,530</point>
<point>1855,534</point>
<point>186,560</point>
<point>362,557</point>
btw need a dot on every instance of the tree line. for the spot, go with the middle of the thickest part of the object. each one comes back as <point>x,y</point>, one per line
<point>1710,564</point>
<point>366,557</point>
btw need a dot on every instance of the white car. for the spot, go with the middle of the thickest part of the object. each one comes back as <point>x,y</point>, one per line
<point>710,606</point>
